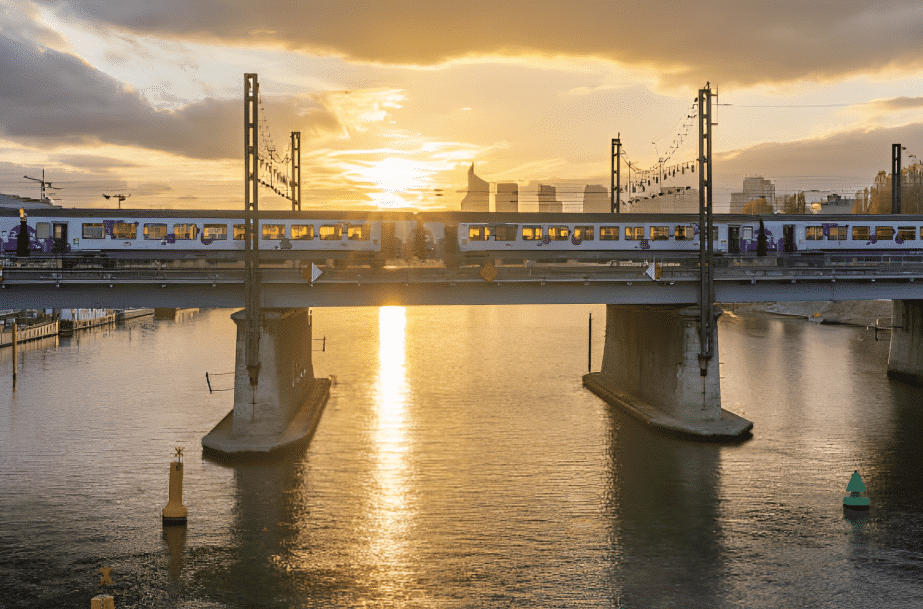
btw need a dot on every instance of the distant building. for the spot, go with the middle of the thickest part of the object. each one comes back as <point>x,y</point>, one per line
<point>596,200</point>
<point>17,202</point>
<point>507,198</point>
<point>755,187</point>
<point>671,200</point>
<point>478,195</point>
<point>548,199</point>
<point>833,204</point>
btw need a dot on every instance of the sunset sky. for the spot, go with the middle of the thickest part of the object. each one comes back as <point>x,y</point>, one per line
<point>395,100</point>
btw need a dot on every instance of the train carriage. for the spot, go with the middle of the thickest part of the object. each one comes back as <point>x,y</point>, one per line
<point>153,233</point>
<point>457,237</point>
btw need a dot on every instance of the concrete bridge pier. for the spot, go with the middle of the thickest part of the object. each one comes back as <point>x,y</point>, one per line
<point>282,410</point>
<point>651,370</point>
<point>905,359</point>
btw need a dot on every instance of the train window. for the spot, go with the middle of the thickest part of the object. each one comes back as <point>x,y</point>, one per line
<point>681,233</point>
<point>584,233</point>
<point>273,232</point>
<point>884,233</point>
<point>240,231</point>
<point>813,233</point>
<point>660,233</point>
<point>634,233</point>
<point>505,232</point>
<point>155,231</point>
<point>559,233</point>
<point>478,233</point>
<point>859,233</point>
<point>907,233</point>
<point>302,231</point>
<point>215,232</point>
<point>185,231</point>
<point>42,230</point>
<point>358,232</point>
<point>125,230</point>
<point>838,233</point>
<point>93,230</point>
<point>746,232</point>
<point>608,233</point>
<point>531,233</point>
<point>331,232</point>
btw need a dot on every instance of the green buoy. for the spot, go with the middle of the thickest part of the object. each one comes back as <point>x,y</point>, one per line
<point>855,501</point>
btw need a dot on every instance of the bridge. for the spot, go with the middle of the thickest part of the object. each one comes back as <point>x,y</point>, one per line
<point>652,365</point>
<point>178,282</point>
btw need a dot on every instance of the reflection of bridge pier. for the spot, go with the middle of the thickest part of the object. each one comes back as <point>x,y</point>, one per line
<point>651,369</point>
<point>284,408</point>
<point>905,359</point>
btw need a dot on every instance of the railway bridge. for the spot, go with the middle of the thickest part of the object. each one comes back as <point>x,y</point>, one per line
<point>651,366</point>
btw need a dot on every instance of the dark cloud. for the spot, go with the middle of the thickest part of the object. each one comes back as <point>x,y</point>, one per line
<point>49,98</point>
<point>91,162</point>
<point>859,156</point>
<point>724,41</point>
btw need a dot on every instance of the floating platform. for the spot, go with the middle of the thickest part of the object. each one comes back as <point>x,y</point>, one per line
<point>32,332</point>
<point>221,443</point>
<point>69,326</point>
<point>126,314</point>
<point>174,314</point>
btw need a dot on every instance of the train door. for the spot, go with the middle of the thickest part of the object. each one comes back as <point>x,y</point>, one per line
<point>733,239</point>
<point>59,236</point>
<point>788,235</point>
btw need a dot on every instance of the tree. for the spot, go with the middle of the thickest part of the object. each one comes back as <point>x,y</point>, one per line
<point>862,202</point>
<point>877,199</point>
<point>757,207</point>
<point>880,194</point>
<point>793,204</point>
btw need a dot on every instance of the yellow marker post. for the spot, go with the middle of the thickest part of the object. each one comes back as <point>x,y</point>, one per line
<point>175,512</point>
<point>102,601</point>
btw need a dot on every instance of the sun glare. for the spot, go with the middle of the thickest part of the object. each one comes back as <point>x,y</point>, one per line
<point>393,508</point>
<point>393,181</point>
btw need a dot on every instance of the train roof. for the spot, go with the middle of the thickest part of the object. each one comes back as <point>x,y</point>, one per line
<point>450,217</point>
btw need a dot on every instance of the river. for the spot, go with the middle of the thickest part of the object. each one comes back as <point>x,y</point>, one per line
<point>459,463</point>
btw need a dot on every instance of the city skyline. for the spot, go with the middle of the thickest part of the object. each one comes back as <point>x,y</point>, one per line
<point>394,103</point>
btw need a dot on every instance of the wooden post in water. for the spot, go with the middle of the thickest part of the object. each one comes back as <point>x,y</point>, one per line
<point>589,347</point>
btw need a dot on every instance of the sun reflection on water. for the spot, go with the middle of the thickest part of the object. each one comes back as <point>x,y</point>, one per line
<point>392,509</point>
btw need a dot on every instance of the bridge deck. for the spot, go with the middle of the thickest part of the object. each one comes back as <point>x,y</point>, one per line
<point>38,284</point>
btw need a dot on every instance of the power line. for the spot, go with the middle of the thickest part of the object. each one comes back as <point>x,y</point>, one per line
<point>796,105</point>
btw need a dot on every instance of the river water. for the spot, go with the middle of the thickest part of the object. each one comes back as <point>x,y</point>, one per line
<point>459,463</point>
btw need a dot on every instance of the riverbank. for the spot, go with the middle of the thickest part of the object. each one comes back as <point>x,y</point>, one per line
<point>852,312</point>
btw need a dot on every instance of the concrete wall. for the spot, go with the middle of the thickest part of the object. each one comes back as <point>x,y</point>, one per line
<point>905,360</point>
<point>286,372</point>
<point>651,353</point>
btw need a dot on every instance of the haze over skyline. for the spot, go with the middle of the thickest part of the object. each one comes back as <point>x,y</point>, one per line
<point>395,101</point>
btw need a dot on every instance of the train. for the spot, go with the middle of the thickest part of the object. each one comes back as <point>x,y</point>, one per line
<point>459,238</point>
